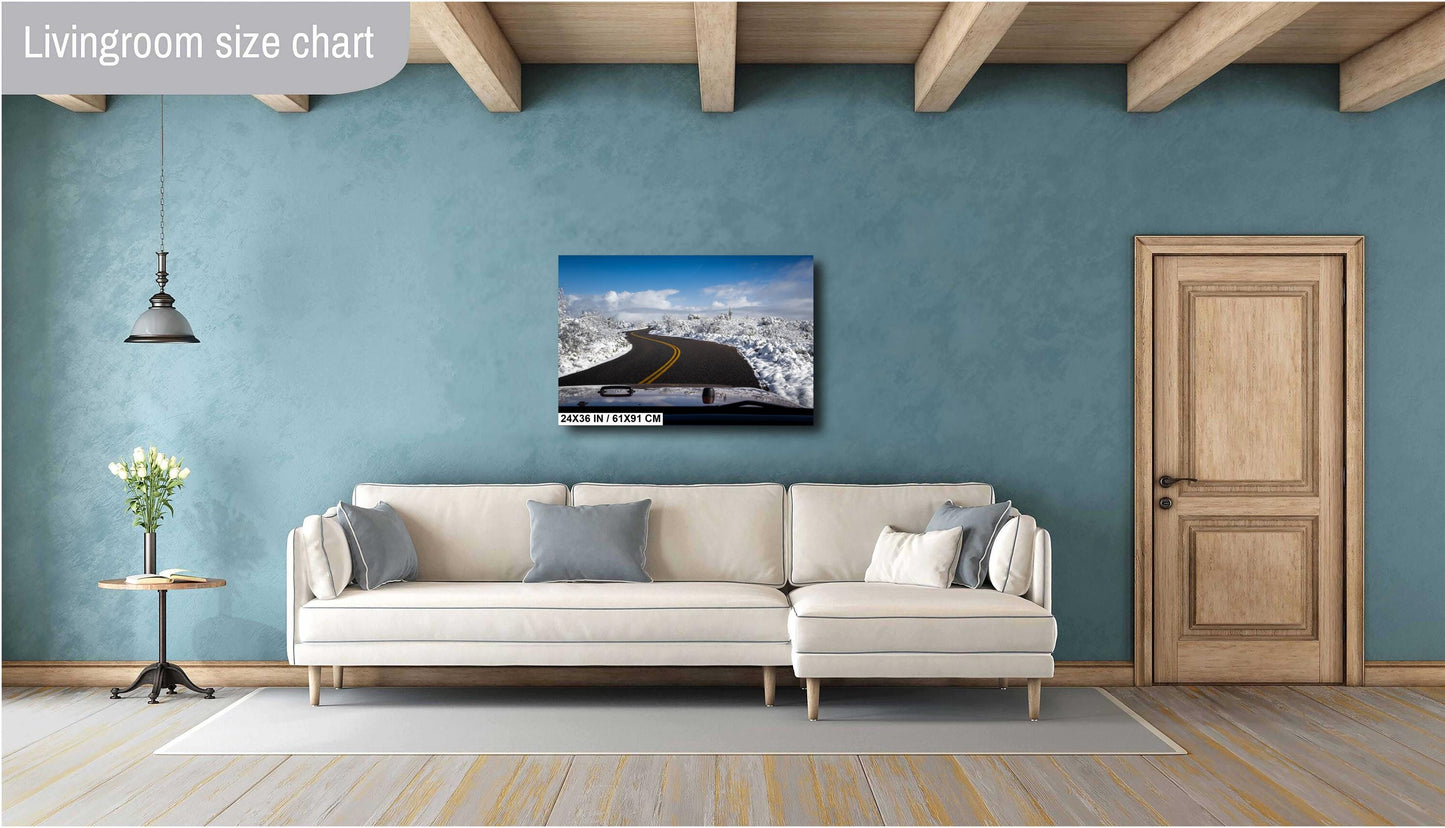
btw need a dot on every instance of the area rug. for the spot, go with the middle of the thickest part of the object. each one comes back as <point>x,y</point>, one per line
<point>682,720</point>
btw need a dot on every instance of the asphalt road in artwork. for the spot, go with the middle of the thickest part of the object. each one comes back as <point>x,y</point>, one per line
<point>670,360</point>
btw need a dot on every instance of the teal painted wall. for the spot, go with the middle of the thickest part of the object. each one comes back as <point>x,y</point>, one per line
<point>373,284</point>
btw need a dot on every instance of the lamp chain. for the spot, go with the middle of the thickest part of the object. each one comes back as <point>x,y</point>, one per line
<point>161,276</point>
<point>163,172</point>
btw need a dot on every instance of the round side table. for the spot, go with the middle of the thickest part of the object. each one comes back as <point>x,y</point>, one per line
<point>163,673</point>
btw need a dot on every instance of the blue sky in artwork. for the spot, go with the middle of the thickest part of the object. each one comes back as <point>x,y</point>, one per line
<point>639,288</point>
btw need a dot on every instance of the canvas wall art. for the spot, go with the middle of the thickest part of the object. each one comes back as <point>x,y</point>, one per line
<point>685,340</point>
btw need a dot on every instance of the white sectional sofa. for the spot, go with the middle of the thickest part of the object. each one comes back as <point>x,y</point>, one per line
<point>743,575</point>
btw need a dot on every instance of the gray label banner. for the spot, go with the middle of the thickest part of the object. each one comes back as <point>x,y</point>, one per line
<point>200,48</point>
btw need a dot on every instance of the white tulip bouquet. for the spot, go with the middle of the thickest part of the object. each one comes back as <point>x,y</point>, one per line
<point>151,479</point>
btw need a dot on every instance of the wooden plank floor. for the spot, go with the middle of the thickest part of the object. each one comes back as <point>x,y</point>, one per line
<point>1297,755</point>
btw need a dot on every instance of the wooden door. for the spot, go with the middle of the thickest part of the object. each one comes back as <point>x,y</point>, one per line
<point>1249,560</point>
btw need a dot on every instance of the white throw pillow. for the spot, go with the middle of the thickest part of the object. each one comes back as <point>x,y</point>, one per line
<point>1011,557</point>
<point>325,554</point>
<point>921,559</point>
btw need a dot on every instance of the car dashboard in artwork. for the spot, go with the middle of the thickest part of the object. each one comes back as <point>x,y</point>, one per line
<point>676,405</point>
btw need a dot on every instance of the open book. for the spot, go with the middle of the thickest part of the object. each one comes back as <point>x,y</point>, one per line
<point>168,576</point>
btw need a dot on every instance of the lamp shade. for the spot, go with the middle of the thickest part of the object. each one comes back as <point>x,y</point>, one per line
<point>161,323</point>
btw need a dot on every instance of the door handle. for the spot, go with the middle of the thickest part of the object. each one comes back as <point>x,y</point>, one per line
<point>1166,481</point>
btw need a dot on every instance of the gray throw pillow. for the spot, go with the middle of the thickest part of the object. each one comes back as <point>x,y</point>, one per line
<point>979,524</point>
<point>381,548</point>
<point>589,543</point>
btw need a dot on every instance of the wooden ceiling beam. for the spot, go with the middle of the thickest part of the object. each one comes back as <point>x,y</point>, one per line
<point>286,103</point>
<point>78,103</point>
<point>1207,39</point>
<point>475,46</point>
<point>1403,63</point>
<point>717,53</point>
<point>961,41</point>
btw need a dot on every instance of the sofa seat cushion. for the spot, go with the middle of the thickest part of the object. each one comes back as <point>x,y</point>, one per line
<point>871,618</point>
<point>554,612</point>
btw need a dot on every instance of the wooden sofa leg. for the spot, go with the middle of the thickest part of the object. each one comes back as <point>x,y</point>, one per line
<point>813,685</point>
<point>1003,684</point>
<point>313,673</point>
<point>770,685</point>
<point>336,676</point>
<point>1035,688</point>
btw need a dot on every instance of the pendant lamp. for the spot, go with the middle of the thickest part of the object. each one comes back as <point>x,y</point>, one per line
<point>161,322</point>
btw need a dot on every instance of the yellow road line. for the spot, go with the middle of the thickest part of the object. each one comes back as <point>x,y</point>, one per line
<point>676,352</point>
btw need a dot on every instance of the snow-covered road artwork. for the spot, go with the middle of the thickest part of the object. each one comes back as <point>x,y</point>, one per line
<point>644,322</point>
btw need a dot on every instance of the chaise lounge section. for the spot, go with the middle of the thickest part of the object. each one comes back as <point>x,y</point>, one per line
<point>842,627</point>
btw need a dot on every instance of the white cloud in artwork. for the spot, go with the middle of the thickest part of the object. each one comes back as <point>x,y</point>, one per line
<point>651,299</point>
<point>730,297</point>
<point>631,305</point>
<point>789,292</point>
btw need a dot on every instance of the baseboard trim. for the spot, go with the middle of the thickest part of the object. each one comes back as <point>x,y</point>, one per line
<point>1405,673</point>
<point>281,674</point>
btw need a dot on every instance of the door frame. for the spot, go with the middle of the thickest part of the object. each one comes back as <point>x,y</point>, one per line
<point>1352,248</point>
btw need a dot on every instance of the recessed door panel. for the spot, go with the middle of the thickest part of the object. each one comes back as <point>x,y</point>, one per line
<point>1249,364</point>
<point>1250,577</point>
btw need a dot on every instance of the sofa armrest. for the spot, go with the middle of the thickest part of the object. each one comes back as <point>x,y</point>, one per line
<point>298,592</point>
<point>1041,590</point>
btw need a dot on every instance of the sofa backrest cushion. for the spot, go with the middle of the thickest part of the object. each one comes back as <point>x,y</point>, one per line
<point>476,532</point>
<point>707,532</point>
<point>834,526</point>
